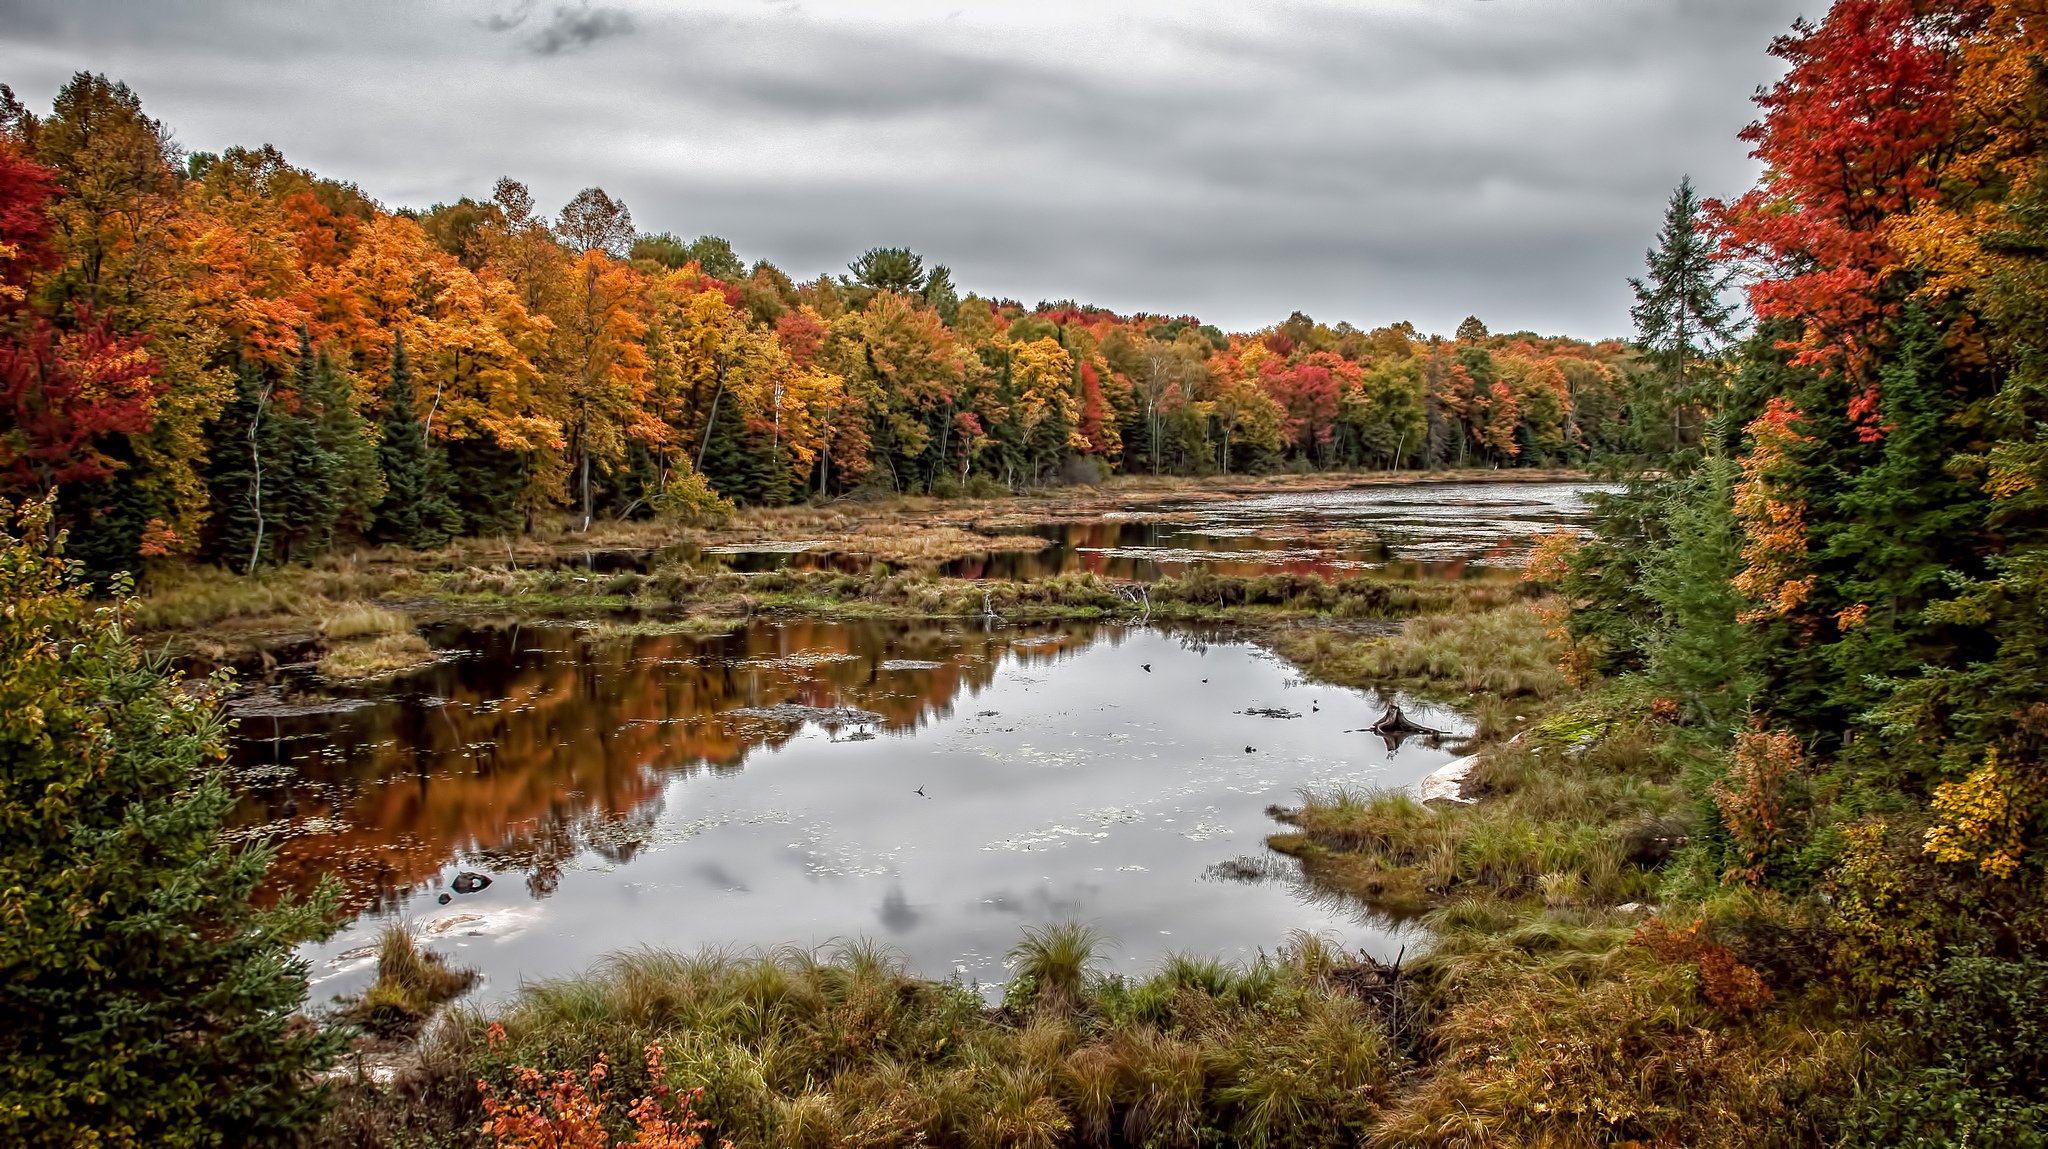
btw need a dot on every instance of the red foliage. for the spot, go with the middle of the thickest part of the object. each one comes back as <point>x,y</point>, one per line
<point>802,334</point>
<point>568,1112</point>
<point>61,394</point>
<point>1730,986</point>
<point>1850,137</point>
<point>1095,413</point>
<point>1308,391</point>
<point>26,188</point>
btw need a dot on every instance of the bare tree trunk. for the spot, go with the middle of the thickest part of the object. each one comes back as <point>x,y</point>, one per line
<point>585,483</point>
<point>256,485</point>
<point>711,423</point>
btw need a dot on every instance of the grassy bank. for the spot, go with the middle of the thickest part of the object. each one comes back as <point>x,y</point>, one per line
<point>791,1049</point>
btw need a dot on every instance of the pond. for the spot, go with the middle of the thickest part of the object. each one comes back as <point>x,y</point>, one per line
<point>1440,530</point>
<point>934,787</point>
<point>547,794</point>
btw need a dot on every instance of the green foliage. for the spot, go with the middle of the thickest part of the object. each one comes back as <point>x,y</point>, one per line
<point>896,269</point>
<point>321,462</point>
<point>235,487</point>
<point>148,1001</point>
<point>1977,1069</point>
<point>1698,654</point>
<point>1680,312</point>
<point>417,510</point>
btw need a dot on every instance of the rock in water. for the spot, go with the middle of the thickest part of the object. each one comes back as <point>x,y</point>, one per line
<point>469,882</point>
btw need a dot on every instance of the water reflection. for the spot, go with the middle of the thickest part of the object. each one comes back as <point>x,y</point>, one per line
<point>684,791</point>
<point>1430,530</point>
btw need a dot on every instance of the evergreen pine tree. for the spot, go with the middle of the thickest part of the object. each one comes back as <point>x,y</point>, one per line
<point>147,1000</point>
<point>243,436</point>
<point>486,481</point>
<point>417,510</point>
<point>726,465</point>
<point>303,502</point>
<point>1699,652</point>
<point>1679,313</point>
<point>1902,532</point>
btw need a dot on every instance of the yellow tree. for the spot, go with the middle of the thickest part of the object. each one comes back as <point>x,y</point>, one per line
<point>599,327</point>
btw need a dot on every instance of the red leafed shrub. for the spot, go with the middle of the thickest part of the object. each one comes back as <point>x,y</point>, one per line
<point>572,1112</point>
<point>1729,985</point>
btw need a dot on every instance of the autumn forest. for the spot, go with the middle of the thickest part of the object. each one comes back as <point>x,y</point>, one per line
<point>231,358</point>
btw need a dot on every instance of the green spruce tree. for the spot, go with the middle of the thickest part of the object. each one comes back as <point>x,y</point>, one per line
<point>1679,312</point>
<point>148,1001</point>
<point>237,534</point>
<point>417,509</point>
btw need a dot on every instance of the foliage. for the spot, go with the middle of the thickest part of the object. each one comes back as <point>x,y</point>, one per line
<point>149,1001</point>
<point>160,308</point>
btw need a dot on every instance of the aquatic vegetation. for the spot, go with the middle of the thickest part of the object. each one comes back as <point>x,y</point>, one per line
<point>412,982</point>
<point>1505,652</point>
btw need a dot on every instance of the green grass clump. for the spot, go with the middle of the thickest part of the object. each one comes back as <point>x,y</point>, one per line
<point>412,982</point>
<point>1577,825</point>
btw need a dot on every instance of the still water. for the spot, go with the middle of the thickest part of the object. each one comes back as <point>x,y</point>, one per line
<point>763,788</point>
<point>1439,530</point>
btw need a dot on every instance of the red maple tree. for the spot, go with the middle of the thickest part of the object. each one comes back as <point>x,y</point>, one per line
<point>1852,136</point>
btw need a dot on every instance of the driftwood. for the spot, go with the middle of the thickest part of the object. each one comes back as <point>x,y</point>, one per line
<point>1378,985</point>
<point>1395,722</point>
<point>1395,728</point>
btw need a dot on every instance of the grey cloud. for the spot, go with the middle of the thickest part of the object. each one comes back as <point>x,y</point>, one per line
<point>578,27</point>
<point>1365,162</point>
<point>506,21</point>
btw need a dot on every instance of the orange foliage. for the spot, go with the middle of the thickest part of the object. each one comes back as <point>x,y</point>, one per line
<point>1773,527</point>
<point>1752,797</point>
<point>568,1112</point>
<point>1732,987</point>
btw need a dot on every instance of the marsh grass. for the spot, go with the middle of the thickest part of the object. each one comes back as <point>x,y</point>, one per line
<point>795,1048</point>
<point>1504,652</point>
<point>1572,824</point>
<point>1551,1030</point>
<point>186,598</point>
<point>367,641</point>
<point>362,620</point>
<point>412,982</point>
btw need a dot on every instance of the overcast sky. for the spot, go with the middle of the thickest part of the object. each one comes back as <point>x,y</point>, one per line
<point>1369,160</point>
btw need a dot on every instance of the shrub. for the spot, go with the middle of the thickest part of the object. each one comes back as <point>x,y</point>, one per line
<point>1975,1070</point>
<point>147,1000</point>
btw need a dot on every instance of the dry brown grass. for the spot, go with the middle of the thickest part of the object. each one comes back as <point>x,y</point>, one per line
<point>1506,652</point>
<point>362,620</point>
<point>375,657</point>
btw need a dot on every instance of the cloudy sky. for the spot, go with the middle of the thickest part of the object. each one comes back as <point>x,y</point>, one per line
<point>1367,160</point>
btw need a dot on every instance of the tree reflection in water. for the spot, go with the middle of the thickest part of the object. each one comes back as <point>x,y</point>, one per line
<point>532,746</point>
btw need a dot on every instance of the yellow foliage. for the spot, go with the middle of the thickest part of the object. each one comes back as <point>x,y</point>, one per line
<point>1985,818</point>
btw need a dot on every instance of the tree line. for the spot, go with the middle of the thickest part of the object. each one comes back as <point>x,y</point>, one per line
<point>229,358</point>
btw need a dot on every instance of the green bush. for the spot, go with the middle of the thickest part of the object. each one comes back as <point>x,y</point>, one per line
<point>146,1001</point>
<point>1977,1070</point>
